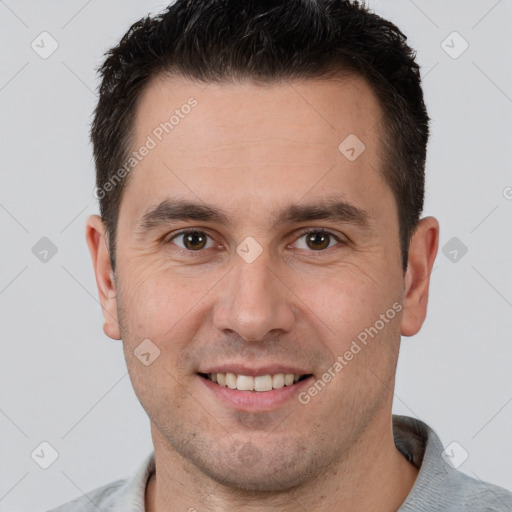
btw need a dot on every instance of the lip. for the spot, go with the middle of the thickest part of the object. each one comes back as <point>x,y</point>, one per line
<point>241,369</point>
<point>254,401</point>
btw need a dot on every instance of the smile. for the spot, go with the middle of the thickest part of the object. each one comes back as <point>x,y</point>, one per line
<point>260,383</point>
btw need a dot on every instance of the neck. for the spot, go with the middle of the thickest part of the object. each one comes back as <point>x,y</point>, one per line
<point>373,476</point>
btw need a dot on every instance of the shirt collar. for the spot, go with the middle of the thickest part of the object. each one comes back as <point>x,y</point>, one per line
<point>133,499</point>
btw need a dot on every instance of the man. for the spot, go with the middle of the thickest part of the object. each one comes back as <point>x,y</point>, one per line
<point>260,252</point>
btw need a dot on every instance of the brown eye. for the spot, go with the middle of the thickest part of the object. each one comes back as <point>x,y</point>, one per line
<point>317,240</point>
<point>191,240</point>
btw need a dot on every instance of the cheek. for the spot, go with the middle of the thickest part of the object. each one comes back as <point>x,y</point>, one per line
<point>163,305</point>
<point>149,290</point>
<point>155,320</point>
<point>349,299</point>
<point>360,322</point>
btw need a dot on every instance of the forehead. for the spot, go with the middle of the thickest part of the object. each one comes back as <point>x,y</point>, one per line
<point>326,110</point>
<point>256,142</point>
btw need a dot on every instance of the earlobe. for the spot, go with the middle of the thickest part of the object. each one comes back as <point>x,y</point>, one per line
<point>97,241</point>
<point>422,253</point>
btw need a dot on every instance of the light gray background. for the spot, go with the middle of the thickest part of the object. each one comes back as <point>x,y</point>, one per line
<point>63,381</point>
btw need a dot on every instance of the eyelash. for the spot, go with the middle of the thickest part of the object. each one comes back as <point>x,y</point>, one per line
<point>301,233</point>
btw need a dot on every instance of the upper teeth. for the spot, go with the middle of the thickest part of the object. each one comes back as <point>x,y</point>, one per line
<point>259,383</point>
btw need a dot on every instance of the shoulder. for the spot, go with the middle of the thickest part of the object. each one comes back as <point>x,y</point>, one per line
<point>117,496</point>
<point>450,490</point>
<point>101,498</point>
<point>475,495</point>
<point>439,485</point>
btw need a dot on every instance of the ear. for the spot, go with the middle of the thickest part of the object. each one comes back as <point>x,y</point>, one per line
<point>422,253</point>
<point>97,240</point>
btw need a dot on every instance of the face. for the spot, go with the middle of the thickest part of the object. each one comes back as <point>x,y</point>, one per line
<point>249,243</point>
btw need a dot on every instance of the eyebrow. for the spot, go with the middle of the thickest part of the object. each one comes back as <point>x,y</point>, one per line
<point>180,209</point>
<point>332,209</point>
<point>327,209</point>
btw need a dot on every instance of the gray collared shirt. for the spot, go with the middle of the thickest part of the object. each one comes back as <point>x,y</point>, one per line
<point>438,487</point>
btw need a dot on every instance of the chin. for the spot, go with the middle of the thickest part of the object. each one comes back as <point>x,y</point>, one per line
<point>251,467</point>
<point>259,478</point>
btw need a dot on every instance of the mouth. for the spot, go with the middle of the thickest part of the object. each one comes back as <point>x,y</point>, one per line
<point>256,384</point>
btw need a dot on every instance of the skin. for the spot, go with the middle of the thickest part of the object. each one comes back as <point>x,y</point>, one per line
<point>252,150</point>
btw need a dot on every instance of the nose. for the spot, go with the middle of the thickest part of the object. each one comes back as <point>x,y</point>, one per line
<point>254,301</point>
